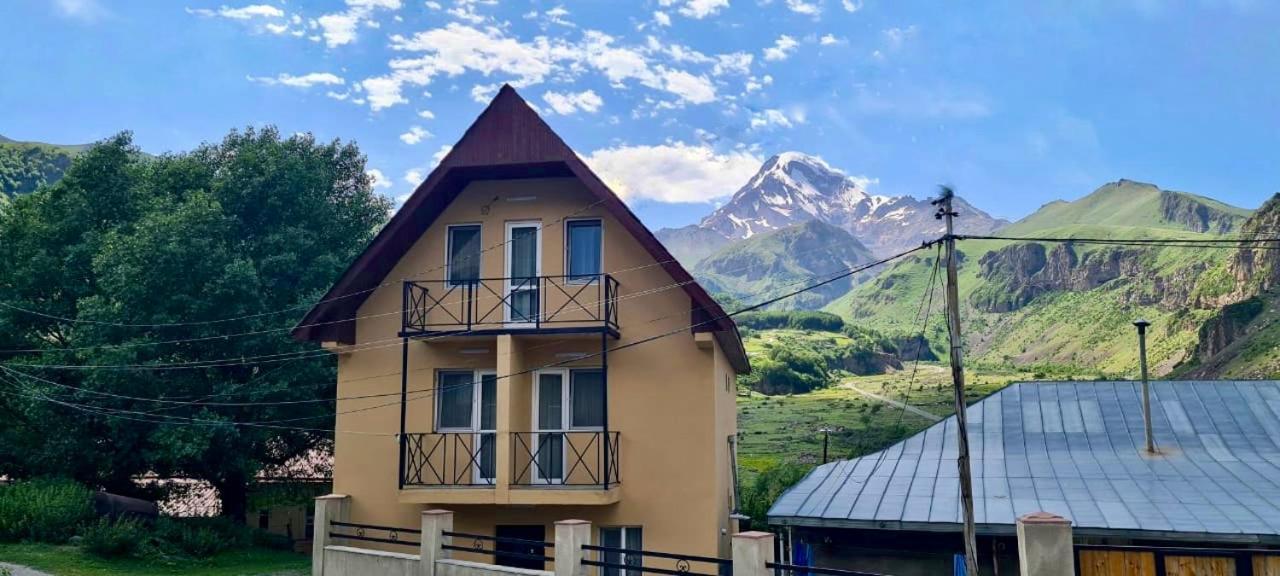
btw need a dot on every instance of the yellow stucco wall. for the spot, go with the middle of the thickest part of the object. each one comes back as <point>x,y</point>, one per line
<point>668,398</point>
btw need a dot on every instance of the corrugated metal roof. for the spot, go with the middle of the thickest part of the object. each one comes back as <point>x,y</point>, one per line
<point>1075,449</point>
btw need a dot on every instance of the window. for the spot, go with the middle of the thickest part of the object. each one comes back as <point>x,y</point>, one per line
<point>463,254</point>
<point>455,393</point>
<point>626,538</point>
<point>586,392</point>
<point>462,405</point>
<point>582,250</point>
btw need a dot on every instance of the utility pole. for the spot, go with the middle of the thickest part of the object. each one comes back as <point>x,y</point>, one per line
<point>1142,324</point>
<point>825,431</point>
<point>947,214</point>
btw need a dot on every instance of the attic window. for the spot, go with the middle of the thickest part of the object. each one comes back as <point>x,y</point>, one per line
<point>464,254</point>
<point>582,250</point>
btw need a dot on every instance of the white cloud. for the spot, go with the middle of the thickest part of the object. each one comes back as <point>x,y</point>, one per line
<point>415,135</point>
<point>697,9</point>
<point>781,49</point>
<point>897,36</point>
<point>379,179</point>
<point>440,154</point>
<point>688,87</point>
<point>922,103</point>
<point>662,18</point>
<point>851,5</point>
<point>483,93</point>
<point>803,7</point>
<point>303,81</point>
<point>754,84</point>
<point>674,172</point>
<point>774,117</point>
<point>426,114</point>
<point>382,92</point>
<point>831,40</point>
<point>569,102</point>
<point>733,63</point>
<point>414,177</point>
<point>339,28</point>
<point>251,11</point>
<point>84,10</point>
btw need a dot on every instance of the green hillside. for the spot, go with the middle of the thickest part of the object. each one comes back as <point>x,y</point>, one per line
<point>1063,309</point>
<point>25,166</point>
<point>1127,206</point>
<point>771,264</point>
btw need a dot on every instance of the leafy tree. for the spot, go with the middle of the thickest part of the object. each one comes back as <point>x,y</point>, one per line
<point>245,228</point>
<point>761,493</point>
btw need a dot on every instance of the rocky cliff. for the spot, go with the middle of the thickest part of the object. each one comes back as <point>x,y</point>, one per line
<point>1016,274</point>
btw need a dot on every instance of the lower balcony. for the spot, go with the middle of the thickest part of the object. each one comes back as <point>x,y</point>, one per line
<point>544,467</point>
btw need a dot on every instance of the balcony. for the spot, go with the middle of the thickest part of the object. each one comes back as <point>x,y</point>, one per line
<point>560,467</point>
<point>538,304</point>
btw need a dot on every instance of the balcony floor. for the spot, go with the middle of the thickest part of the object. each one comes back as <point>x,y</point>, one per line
<point>551,495</point>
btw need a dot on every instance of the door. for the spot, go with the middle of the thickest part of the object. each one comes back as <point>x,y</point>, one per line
<point>549,409</point>
<point>517,554</point>
<point>486,432</point>
<point>524,266</point>
<point>466,407</point>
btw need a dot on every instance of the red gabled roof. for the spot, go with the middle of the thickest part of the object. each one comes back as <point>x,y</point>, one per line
<point>508,140</point>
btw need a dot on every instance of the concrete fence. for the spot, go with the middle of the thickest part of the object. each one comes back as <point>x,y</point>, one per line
<point>1044,549</point>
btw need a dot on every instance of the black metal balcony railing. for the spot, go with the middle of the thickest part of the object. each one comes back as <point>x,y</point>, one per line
<point>448,459</point>
<point>538,301</point>
<point>574,458</point>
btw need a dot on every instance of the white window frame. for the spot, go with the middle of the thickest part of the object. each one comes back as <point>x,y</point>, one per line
<point>567,278</point>
<point>506,267</point>
<point>566,416</point>
<point>477,396</point>
<point>448,252</point>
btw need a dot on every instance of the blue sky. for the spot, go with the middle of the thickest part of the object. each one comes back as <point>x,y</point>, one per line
<point>677,102</point>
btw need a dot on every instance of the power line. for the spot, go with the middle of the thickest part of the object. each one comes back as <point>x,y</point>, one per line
<point>844,274</point>
<point>557,222</point>
<point>1269,243</point>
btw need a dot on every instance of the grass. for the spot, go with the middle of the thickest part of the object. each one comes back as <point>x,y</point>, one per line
<point>72,561</point>
<point>776,429</point>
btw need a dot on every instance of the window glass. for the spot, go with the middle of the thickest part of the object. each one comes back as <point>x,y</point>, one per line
<point>583,245</point>
<point>626,538</point>
<point>587,389</point>
<point>489,402</point>
<point>550,408</point>
<point>464,254</point>
<point>454,393</point>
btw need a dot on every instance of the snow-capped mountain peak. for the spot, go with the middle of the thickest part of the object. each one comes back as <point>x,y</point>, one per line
<point>793,187</point>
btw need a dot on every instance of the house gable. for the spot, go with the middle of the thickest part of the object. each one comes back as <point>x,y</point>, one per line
<point>507,141</point>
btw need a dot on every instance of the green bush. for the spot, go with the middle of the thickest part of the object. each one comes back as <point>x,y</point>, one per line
<point>114,539</point>
<point>201,537</point>
<point>759,495</point>
<point>44,510</point>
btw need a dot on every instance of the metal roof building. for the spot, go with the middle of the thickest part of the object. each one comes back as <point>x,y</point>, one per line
<point>1075,449</point>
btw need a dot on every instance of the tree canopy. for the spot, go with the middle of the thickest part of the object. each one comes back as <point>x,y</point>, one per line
<point>192,261</point>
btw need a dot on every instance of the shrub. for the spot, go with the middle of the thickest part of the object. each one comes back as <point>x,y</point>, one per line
<point>201,537</point>
<point>45,510</point>
<point>114,539</point>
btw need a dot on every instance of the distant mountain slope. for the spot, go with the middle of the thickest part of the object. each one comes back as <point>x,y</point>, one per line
<point>1064,307</point>
<point>776,262</point>
<point>25,166</point>
<point>792,187</point>
<point>1133,205</point>
<point>692,243</point>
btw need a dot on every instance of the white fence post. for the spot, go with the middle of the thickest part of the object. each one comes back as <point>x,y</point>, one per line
<point>1044,545</point>
<point>751,551</point>
<point>571,535</point>
<point>434,524</point>
<point>329,508</point>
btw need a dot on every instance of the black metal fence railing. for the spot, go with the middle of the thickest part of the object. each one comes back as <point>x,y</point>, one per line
<point>798,570</point>
<point>449,459</point>
<point>505,551</point>
<point>537,301</point>
<point>360,532</point>
<point>625,561</point>
<point>573,458</point>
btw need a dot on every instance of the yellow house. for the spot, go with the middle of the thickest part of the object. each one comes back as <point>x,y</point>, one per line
<point>517,347</point>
